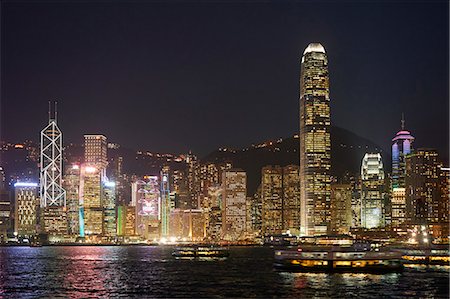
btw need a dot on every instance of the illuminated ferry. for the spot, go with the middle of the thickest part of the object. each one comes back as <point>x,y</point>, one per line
<point>432,255</point>
<point>338,259</point>
<point>200,251</point>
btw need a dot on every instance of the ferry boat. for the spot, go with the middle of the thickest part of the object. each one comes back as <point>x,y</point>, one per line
<point>338,260</point>
<point>431,255</point>
<point>200,251</point>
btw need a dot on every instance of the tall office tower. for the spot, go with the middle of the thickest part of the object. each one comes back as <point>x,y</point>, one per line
<point>272,200</point>
<point>148,203</point>
<point>72,186</point>
<point>126,221</point>
<point>26,208</point>
<point>209,176</point>
<point>193,180</point>
<point>398,207</point>
<point>372,191</point>
<point>234,192</point>
<point>291,199</point>
<point>341,208</point>
<point>91,208</point>
<point>423,193</point>
<point>53,196</point>
<point>315,142</point>
<point>95,151</point>
<point>256,211</point>
<point>109,208</point>
<point>165,201</point>
<point>401,146</point>
<point>280,200</point>
<point>211,207</point>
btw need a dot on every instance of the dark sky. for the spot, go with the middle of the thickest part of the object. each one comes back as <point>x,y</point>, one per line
<point>180,76</point>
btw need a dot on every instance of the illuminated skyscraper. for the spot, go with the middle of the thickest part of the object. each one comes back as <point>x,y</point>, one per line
<point>91,220</point>
<point>52,193</point>
<point>272,200</point>
<point>109,208</point>
<point>424,195</point>
<point>234,188</point>
<point>165,201</point>
<point>53,219</point>
<point>148,205</point>
<point>373,191</point>
<point>95,151</point>
<point>26,208</point>
<point>401,146</point>
<point>315,142</point>
<point>72,187</point>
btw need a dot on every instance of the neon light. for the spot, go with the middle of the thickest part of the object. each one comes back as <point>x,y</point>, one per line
<point>24,184</point>
<point>75,166</point>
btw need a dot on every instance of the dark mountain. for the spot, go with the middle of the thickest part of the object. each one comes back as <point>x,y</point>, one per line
<point>348,149</point>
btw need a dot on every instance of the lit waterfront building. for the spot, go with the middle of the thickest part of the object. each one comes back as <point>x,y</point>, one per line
<point>341,208</point>
<point>148,201</point>
<point>280,200</point>
<point>372,191</point>
<point>315,142</point>
<point>291,199</point>
<point>187,224</point>
<point>95,151</point>
<point>234,194</point>
<point>72,186</point>
<point>425,199</point>
<point>126,221</point>
<point>91,222</point>
<point>272,200</point>
<point>398,207</point>
<point>165,201</point>
<point>211,207</point>
<point>26,208</point>
<point>52,194</point>
<point>109,208</point>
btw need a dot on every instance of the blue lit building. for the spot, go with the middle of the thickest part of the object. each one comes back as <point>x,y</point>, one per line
<point>401,146</point>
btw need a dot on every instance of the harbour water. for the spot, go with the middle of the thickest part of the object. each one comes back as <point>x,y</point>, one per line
<point>147,271</point>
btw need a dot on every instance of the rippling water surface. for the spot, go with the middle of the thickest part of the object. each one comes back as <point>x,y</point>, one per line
<point>144,271</point>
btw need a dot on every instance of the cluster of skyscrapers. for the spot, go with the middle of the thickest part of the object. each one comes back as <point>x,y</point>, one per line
<point>209,201</point>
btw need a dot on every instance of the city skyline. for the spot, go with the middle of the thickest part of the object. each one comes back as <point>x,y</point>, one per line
<point>241,110</point>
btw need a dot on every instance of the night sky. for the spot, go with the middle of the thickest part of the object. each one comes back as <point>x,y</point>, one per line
<point>196,76</point>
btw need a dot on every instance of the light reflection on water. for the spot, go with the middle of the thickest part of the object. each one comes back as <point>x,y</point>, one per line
<point>144,271</point>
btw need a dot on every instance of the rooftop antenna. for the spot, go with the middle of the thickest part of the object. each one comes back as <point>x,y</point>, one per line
<point>49,110</point>
<point>56,110</point>
<point>403,122</point>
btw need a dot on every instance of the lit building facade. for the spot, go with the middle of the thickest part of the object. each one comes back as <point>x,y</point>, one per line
<point>95,151</point>
<point>72,186</point>
<point>234,192</point>
<point>425,202</point>
<point>398,206</point>
<point>91,220</point>
<point>315,142</point>
<point>341,208</point>
<point>272,200</point>
<point>401,146</point>
<point>26,208</point>
<point>53,218</point>
<point>109,208</point>
<point>148,207</point>
<point>373,191</point>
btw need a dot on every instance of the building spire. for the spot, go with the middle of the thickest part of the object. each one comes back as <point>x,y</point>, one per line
<point>49,111</point>
<point>403,122</point>
<point>56,110</point>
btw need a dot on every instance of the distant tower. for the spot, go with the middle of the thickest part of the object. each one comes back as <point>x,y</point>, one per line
<point>372,191</point>
<point>52,193</point>
<point>402,146</point>
<point>315,142</point>
<point>165,201</point>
